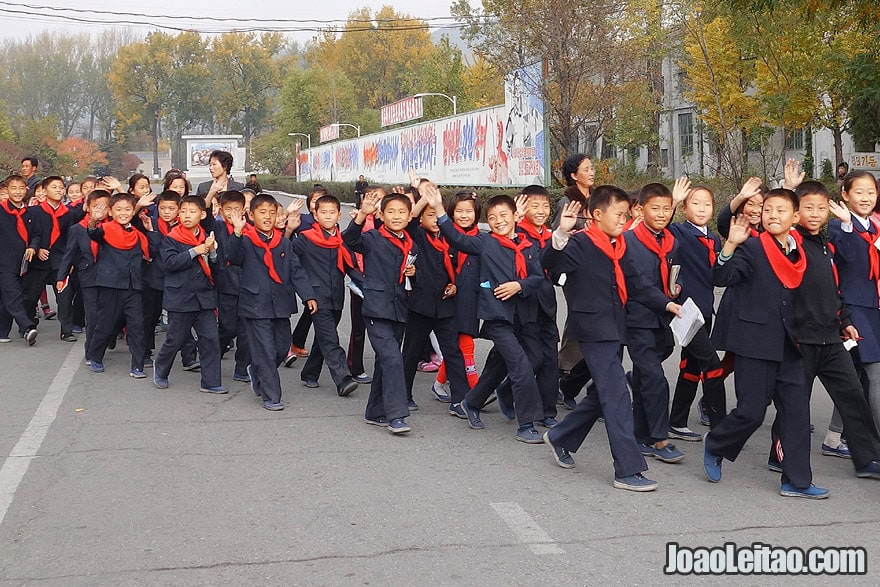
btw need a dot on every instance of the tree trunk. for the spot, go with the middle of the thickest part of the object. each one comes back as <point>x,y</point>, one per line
<point>155,140</point>
<point>837,132</point>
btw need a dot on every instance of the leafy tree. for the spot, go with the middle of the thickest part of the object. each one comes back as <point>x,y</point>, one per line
<point>79,156</point>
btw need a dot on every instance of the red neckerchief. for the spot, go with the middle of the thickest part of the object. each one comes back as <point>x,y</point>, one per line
<point>536,233</point>
<point>788,272</point>
<point>628,224</point>
<point>521,270</point>
<point>165,227</point>
<point>439,243</point>
<point>709,243</point>
<point>405,245</point>
<point>125,238</point>
<point>186,236</point>
<point>20,225</point>
<point>614,252</point>
<point>92,244</point>
<point>873,253</point>
<point>55,214</point>
<point>319,238</point>
<point>753,232</point>
<point>229,228</point>
<point>254,236</point>
<point>462,257</point>
<point>649,240</point>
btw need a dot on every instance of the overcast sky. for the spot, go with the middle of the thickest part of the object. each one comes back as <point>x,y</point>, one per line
<point>193,14</point>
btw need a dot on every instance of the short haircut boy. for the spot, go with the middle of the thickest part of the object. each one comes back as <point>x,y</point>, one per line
<point>122,197</point>
<point>501,200</point>
<point>785,194</point>
<point>197,201</point>
<point>653,190</point>
<point>15,177</point>
<point>536,191</point>
<point>392,197</point>
<point>52,178</point>
<point>231,197</point>
<point>328,199</point>
<point>261,199</point>
<point>606,195</point>
<point>811,188</point>
<point>169,196</point>
<point>96,194</point>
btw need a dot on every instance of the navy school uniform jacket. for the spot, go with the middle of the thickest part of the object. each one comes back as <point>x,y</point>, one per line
<point>467,283</point>
<point>227,279</point>
<point>187,288</point>
<point>595,312</point>
<point>260,296</point>
<point>546,292</point>
<point>646,263</point>
<point>11,246</point>
<point>154,272</point>
<point>851,256</point>
<point>760,318</point>
<point>320,265</point>
<point>696,266</point>
<point>497,266</point>
<point>118,268</point>
<point>430,279</point>
<point>820,313</point>
<point>78,254</point>
<point>43,224</point>
<point>385,296</point>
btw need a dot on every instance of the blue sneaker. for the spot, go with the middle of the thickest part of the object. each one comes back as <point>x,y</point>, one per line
<point>441,392</point>
<point>160,382</point>
<point>560,455</point>
<point>506,409</point>
<point>363,378</point>
<point>214,389</point>
<point>637,482</point>
<point>376,421</point>
<point>774,466</point>
<point>841,450</point>
<point>457,411</point>
<point>243,378</point>
<point>704,415</point>
<point>310,383</point>
<point>548,422</point>
<point>412,405</point>
<point>148,362</point>
<point>667,454</point>
<point>529,435</point>
<point>646,449</point>
<point>272,406</point>
<point>685,433</point>
<point>811,492</point>
<point>77,329</point>
<point>711,464</point>
<point>96,367</point>
<point>473,416</point>
<point>137,374</point>
<point>398,426</point>
<point>869,471</point>
<point>254,387</point>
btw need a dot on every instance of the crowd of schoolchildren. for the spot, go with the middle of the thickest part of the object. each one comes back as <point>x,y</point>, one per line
<point>227,264</point>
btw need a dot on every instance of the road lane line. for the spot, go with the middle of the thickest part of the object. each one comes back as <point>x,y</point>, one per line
<point>16,464</point>
<point>526,528</point>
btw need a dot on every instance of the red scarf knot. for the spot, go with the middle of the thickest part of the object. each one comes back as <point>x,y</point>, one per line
<point>540,234</point>
<point>254,236</point>
<point>186,237</point>
<point>126,239</point>
<point>789,273</point>
<point>317,236</point>
<point>522,270</point>
<point>439,244</point>
<point>405,245</point>
<point>613,251</point>
<point>20,224</point>
<point>54,214</point>
<point>661,249</point>
<point>462,257</point>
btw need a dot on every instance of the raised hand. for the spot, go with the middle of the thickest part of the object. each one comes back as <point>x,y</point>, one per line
<point>145,201</point>
<point>110,183</point>
<point>681,189</point>
<point>146,220</point>
<point>569,217</point>
<point>522,204</point>
<point>295,206</point>
<point>370,203</point>
<point>840,211</point>
<point>413,179</point>
<point>211,242</point>
<point>750,189</point>
<point>792,176</point>
<point>98,213</point>
<point>238,221</point>
<point>739,230</point>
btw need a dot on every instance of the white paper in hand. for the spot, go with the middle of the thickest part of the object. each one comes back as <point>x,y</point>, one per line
<point>684,327</point>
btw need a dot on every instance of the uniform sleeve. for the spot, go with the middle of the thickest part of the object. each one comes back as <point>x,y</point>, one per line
<point>472,245</point>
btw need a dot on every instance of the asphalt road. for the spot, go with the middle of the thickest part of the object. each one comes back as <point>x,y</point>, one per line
<point>109,481</point>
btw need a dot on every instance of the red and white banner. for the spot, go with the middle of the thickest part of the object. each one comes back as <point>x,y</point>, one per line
<point>401,111</point>
<point>328,133</point>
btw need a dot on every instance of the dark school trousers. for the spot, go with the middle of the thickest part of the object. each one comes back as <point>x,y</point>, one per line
<point>648,348</point>
<point>92,311</point>
<point>757,383</point>
<point>180,326</point>
<point>388,390</point>
<point>418,330</point>
<point>152,313</point>
<point>511,342</point>
<point>116,304</point>
<point>12,305</point>
<point>35,282</point>
<point>572,382</point>
<point>358,337</point>
<point>610,400</point>
<point>699,362</point>
<point>229,327</point>
<point>834,368</point>
<point>326,347</point>
<point>301,330</point>
<point>77,304</point>
<point>544,358</point>
<point>269,340</point>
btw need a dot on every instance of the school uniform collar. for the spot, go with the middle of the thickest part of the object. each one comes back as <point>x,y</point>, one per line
<point>820,238</point>
<point>792,244</point>
<point>704,230</point>
<point>865,222</point>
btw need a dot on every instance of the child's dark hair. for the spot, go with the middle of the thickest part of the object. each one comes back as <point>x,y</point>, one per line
<point>122,197</point>
<point>134,179</point>
<point>195,201</point>
<point>653,190</point>
<point>700,188</point>
<point>70,185</point>
<point>171,177</point>
<point>605,195</point>
<point>224,158</point>
<point>169,196</point>
<point>850,178</point>
<point>394,197</point>
<point>97,194</point>
<point>536,190</point>
<point>328,199</point>
<point>784,193</point>
<point>45,183</point>
<point>317,192</point>
<point>464,197</point>
<point>15,177</point>
<point>231,197</point>
<point>261,199</point>
<point>91,179</point>
<point>501,200</point>
<point>812,188</point>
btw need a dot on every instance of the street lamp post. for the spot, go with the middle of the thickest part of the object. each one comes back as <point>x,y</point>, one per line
<point>357,128</point>
<point>452,99</point>
<point>309,139</point>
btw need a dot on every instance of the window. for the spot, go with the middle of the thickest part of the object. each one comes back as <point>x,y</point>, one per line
<point>794,140</point>
<point>686,134</point>
<point>664,157</point>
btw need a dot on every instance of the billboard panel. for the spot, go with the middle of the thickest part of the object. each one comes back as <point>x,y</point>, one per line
<point>401,111</point>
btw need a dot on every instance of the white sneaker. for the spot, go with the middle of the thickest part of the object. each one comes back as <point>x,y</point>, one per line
<point>441,392</point>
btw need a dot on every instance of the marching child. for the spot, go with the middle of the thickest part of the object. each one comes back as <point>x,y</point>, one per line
<point>19,241</point>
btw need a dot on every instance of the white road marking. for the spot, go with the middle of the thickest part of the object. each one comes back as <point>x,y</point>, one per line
<point>16,464</point>
<point>526,528</point>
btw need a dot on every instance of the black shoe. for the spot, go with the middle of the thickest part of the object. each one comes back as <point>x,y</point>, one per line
<point>473,416</point>
<point>347,386</point>
<point>310,383</point>
<point>192,366</point>
<point>69,337</point>
<point>30,336</point>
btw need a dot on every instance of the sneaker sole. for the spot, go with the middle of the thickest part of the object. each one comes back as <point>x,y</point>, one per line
<point>546,439</point>
<point>684,436</point>
<point>831,453</point>
<point>636,488</point>
<point>218,392</point>
<point>273,408</point>
<point>868,475</point>
<point>403,430</point>
<point>348,389</point>
<point>538,440</point>
<point>785,493</point>
<point>311,384</point>
<point>31,337</point>
<point>289,361</point>
<point>668,460</point>
<point>473,426</point>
